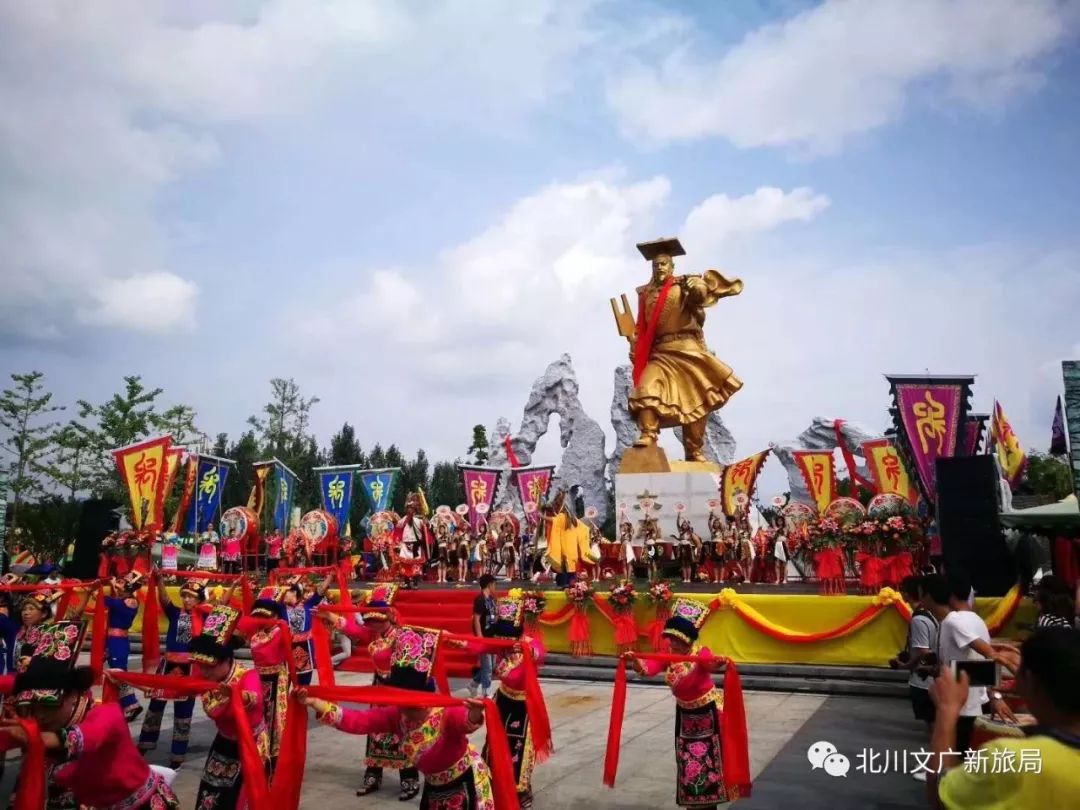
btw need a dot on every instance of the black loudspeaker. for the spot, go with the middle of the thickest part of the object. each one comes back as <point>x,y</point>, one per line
<point>967,515</point>
<point>97,519</point>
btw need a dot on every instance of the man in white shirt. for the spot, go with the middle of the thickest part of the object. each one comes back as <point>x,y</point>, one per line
<point>964,637</point>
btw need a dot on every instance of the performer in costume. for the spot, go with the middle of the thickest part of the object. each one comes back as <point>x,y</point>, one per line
<point>383,750</point>
<point>698,708</point>
<point>122,608</point>
<point>212,650</point>
<point>435,741</point>
<point>231,553</point>
<point>208,557</point>
<point>185,623</point>
<point>270,652</point>
<point>462,545</point>
<point>689,544</point>
<point>443,547</point>
<point>508,543</point>
<point>510,697</point>
<point>714,549</point>
<point>567,538</point>
<point>91,760</point>
<point>298,608</point>
<point>413,539</point>
<point>274,546</point>
<point>626,539</point>
<point>9,627</point>
<point>35,610</point>
<point>649,533</point>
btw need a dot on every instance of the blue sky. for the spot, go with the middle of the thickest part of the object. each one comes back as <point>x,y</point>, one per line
<point>412,209</point>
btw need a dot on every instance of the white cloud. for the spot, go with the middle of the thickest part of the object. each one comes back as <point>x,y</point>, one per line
<point>838,70</point>
<point>103,106</point>
<point>720,217</point>
<point>154,302</point>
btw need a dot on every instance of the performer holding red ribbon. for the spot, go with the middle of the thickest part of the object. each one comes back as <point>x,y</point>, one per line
<point>434,734</point>
<point>711,750</point>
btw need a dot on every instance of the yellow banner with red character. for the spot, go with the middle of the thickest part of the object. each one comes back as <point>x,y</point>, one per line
<point>1010,454</point>
<point>818,468</point>
<point>887,469</point>
<point>144,470</point>
<point>739,479</point>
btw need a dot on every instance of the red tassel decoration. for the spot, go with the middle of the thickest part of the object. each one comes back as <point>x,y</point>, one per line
<point>320,638</point>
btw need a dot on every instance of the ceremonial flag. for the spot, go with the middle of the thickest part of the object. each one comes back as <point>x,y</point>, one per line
<point>209,484</point>
<point>929,413</point>
<point>1058,445</point>
<point>142,469</point>
<point>1010,454</point>
<point>974,426</point>
<point>480,484</point>
<point>887,469</point>
<point>818,470</point>
<point>286,492</point>
<point>186,493</point>
<point>379,486</point>
<point>258,489</point>
<point>533,483</point>
<point>739,478</point>
<point>1070,371</point>
<point>335,487</point>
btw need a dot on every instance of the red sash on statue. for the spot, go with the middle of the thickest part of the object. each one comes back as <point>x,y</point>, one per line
<point>646,333</point>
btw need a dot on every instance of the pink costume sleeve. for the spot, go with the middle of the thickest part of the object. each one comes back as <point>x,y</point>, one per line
<point>456,722</point>
<point>379,720</point>
<point>653,668</point>
<point>91,733</point>
<point>359,633</point>
<point>251,688</point>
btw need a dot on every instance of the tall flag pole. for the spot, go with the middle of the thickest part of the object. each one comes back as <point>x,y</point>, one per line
<point>929,413</point>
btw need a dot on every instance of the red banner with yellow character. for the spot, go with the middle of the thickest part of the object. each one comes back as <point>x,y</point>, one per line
<point>739,479</point>
<point>818,470</point>
<point>144,470</point>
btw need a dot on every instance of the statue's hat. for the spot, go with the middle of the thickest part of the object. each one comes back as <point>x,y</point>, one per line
<point>661,247</point>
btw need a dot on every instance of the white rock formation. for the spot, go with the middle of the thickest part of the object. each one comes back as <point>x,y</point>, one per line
<point>583,461</point>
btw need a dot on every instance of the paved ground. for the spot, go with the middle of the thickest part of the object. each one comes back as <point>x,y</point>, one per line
<point>781,726</point>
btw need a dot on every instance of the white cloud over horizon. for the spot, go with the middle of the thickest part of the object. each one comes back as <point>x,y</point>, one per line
<point>838,70</point>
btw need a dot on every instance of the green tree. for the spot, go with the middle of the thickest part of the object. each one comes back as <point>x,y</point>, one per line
<point>69,466</point>
<point>48,526</point>
<point>285,419</point>
<point>245,452</point>
<point>1046,476</point>
<point>179,422</point>
<point>414,476</point>
<point>344,448</point>
<point>221,446</point>
<point>28,438</point>
<point>477,451</point>
<point>446,486</point>
<point>377,457</point>
<point>123,419</point>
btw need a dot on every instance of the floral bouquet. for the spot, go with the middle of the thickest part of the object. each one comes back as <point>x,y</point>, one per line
<point>579,594</point>
<point>659,593</point>
<point>532,605</point>
<point>622,596</point>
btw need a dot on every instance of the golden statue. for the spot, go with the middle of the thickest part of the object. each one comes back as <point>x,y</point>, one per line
<point>677,381</point>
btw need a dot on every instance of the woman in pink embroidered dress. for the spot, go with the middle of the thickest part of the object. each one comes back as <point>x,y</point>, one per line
<point>221,786</point>
<point>699,708</point>
<point>91,758</point>
<point>434,741</point>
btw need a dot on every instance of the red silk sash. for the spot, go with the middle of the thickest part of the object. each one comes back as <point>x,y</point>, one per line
<point>31,788</point>
<point>255,785</point>
<point>502,770</point>
<point>735,744</point>
<point>646,333</point>
<point>534,695</point>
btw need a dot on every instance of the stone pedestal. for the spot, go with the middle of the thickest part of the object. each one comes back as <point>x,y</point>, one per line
<point>637,460</point>
<point>694,488</point>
